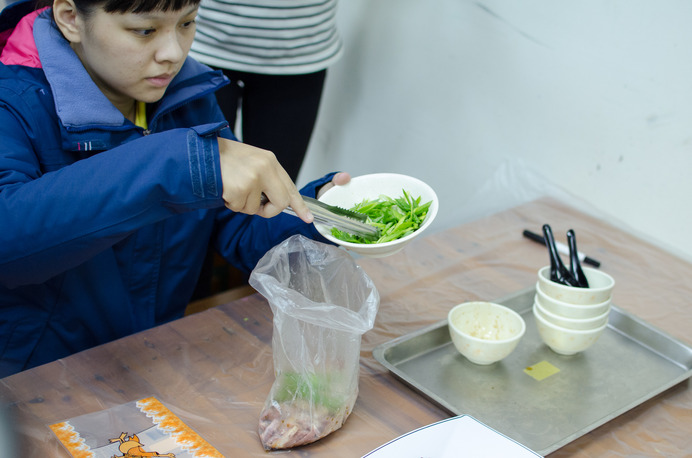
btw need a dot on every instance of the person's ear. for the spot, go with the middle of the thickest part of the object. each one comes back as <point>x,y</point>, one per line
<point>68,19</point>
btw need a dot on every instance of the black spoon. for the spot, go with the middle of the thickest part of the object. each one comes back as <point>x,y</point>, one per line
<point>558,271</point>
<point>574,263</point>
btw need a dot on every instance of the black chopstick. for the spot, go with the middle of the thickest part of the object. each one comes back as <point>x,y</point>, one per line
<point>562,248</point>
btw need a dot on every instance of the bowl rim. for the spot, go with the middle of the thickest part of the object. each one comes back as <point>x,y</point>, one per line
<point>542,275</point>
<point>550,314</point>
<point>494,305</point>
<point>540,291</point>
<point>429,217</point>
<point>568,330</point>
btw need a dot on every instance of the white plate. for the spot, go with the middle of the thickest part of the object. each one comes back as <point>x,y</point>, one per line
<point>461,436</point>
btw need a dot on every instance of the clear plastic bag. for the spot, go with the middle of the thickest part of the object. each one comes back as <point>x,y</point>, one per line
<point>323,302</point>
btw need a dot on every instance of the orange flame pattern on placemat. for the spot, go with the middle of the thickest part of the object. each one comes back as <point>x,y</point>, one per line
<point>181,433</point>
<point>71,439</point>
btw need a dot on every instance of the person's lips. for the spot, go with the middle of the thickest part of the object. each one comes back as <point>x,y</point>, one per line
<point>162,80</point>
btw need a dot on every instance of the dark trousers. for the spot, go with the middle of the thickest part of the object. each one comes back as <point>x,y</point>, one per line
<point>278,112</point>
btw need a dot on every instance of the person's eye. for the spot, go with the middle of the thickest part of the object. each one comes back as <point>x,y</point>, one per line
<point>144,32</point>
<point>188,24</point>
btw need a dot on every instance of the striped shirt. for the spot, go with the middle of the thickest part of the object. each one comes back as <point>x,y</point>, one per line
<point>274,37</point>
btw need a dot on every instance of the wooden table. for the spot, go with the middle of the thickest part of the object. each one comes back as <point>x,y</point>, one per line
<point>214,368</point>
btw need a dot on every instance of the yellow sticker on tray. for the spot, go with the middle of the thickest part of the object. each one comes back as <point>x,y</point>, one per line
<point>542,370</point>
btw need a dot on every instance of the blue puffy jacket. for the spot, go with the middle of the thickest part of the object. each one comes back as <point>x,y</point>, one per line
<point>103,226</point>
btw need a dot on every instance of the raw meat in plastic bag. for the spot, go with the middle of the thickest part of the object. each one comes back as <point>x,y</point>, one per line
<point>323,302</point>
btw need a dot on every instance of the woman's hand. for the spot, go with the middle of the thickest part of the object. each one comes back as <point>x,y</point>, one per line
<point>248,172</point>
<point>339,179</point>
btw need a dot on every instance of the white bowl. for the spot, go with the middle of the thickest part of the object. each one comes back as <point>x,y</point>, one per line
<point>485,332</point>
<point>600,287</point>
<point>566,341</point>
<point>571,323</point>
<point>372,187</point>
<point>570,310</point>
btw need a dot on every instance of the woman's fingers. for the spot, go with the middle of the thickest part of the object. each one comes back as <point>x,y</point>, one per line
<point>339,179</point>
<point>248,173</point>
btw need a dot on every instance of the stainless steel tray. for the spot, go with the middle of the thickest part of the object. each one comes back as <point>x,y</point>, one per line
<point>630,363</point>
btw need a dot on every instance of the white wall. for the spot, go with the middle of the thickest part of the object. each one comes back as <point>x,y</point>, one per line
<point>495,102</point>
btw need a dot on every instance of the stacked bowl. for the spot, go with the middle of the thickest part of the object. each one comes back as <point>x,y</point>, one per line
<point>570,319</point>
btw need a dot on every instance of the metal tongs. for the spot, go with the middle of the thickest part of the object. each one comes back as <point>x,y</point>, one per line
<point>340,218</point>
<point>558,272</point>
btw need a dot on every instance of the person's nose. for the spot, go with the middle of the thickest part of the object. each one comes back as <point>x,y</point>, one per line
<point>171,49</point>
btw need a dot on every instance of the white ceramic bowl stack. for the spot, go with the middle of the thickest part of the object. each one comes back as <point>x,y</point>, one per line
<point>571,319</point>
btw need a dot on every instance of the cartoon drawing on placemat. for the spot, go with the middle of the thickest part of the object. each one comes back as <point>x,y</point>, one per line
<point>138,429</point>
<point>132,448</point>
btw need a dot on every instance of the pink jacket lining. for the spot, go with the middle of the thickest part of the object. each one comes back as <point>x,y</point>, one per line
<point>20,48</point>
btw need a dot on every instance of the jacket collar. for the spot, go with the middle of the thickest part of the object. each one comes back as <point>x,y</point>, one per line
<point>68,77</point>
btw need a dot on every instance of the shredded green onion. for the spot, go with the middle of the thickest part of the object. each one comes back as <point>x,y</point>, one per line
<point>396,218</point>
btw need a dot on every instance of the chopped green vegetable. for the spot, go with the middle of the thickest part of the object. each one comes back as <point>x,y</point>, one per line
<point>396,218</point>
<point>321,389</point>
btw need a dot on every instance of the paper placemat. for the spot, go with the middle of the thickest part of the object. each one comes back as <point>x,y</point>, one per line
<point>139,428</point>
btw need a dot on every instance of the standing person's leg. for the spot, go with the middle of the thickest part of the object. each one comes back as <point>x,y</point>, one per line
<point>279,114</point>
<point>229,97</point>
